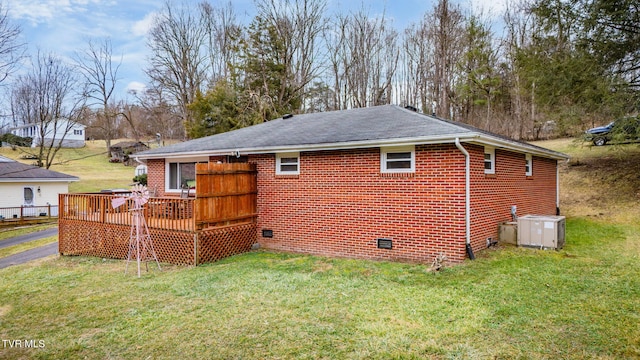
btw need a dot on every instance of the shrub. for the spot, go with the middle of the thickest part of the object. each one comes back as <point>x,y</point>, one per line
<point>16,140</point>
<point>141,179</point>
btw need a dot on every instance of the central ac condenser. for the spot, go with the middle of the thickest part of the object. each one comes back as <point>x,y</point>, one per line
<point>545,232</point>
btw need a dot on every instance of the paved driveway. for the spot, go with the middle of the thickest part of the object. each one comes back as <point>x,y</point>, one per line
<point>29,255</point>
<point>28,237</point>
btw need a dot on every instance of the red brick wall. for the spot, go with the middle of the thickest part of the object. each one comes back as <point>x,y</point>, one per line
<point>156,176</point>
<point>493,195</point>
<point>340,204</point>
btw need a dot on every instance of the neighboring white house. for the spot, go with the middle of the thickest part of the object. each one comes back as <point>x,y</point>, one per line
<point>74,137</point>
<point>30,187</point>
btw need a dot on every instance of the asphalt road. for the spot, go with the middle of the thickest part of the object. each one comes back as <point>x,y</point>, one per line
<point>29,255</point>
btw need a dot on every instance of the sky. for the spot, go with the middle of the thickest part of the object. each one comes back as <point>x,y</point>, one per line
<point>64,27</point>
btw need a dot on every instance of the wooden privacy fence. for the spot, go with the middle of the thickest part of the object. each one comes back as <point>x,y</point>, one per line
<point>226,194</point>
<point>219,222</point>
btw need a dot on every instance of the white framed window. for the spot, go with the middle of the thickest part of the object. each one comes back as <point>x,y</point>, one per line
<point>489,160</point>
<point>180,173</point>
<point>400,159</point>
<point>28,196</point>
<point>288,163</point>
<point>528,165</point>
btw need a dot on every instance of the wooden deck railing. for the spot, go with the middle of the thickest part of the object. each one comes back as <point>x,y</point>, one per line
<point>160,212</point>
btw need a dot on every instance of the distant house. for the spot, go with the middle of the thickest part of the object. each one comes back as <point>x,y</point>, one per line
<point>71,134</point>
<point>29,186</point>
<point>382,183</point>
<point>121,151</point>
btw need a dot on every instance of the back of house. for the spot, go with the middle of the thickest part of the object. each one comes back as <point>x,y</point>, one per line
<point>384,183</point>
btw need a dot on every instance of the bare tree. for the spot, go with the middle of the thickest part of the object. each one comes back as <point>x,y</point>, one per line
<point>157,115</point>
<point>11,48</point>
<point>45,97</point>
<point>334,41</point>
<point>101,76</point>
<point>417,66</point>
<point>520,30</point>
<point>223,33</point>
<point>299,25</point>
<point>367,59</point>
<point>447,36</point>
<point>178,63</point>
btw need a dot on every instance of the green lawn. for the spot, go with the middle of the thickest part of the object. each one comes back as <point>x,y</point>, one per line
<point>578,303</point>
<point>510,303</point>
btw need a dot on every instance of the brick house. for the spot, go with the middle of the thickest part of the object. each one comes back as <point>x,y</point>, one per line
<point>384,183</point>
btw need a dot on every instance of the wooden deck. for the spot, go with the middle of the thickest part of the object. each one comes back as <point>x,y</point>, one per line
<point>219,221</point>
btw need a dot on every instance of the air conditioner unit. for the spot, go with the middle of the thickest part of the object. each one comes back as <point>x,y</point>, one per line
<point>545,232</point>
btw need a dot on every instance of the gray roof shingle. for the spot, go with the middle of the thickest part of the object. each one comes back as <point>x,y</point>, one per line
<point>16,171</point>
<point>366,127</point>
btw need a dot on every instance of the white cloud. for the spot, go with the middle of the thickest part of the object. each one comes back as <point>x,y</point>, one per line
<point>37,12</point>
<point>136,86</point>
<point>141,27</point>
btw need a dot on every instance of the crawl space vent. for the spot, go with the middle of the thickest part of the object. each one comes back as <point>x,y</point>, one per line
<point>385,244</point>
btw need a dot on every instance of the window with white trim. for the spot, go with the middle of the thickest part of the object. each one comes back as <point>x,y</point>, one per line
<point>288,163</point>
<point>489,160</point>
<point>528,165</point>
<point>181,175</point>
<point>398,159</point>
<point>181,172</point>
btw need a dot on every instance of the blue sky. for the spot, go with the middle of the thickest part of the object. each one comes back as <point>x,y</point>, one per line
<point>65,26</point>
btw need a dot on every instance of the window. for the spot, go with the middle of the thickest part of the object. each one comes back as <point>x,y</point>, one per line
<point>398,159</point>
<point>489,160</point>
<point>528,165</point>
<point>288,164</point>
<point>77,132</point>
<point>28,196</point>
<point>181,175</point>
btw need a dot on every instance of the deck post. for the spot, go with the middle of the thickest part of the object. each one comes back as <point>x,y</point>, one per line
<point>104,202</point>
<point>195,249</point>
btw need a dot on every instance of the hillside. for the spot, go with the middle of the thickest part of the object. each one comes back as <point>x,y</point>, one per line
<point>90,164</point>
<point>599,182</point>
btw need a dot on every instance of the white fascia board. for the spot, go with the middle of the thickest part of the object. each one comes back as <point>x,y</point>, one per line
<point>520,148</point>
<point>32,180</point>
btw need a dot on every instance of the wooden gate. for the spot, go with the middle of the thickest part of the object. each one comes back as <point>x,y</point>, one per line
<point>226,194</point>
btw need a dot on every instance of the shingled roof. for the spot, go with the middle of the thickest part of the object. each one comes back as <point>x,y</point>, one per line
<point>13,171</point>
<point>377,126</point>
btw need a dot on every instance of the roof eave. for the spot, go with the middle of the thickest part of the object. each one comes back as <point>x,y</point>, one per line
<point>444,139</point>
<point>38,180</point>
<point>522,148</point>
<point>312,147</point>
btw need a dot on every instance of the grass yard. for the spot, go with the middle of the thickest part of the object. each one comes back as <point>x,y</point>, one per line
<point>578,303</point>
<point>511,303</point>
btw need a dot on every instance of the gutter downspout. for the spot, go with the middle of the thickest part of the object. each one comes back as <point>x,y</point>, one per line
<point>467,193</point>
<point>557,189</point>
